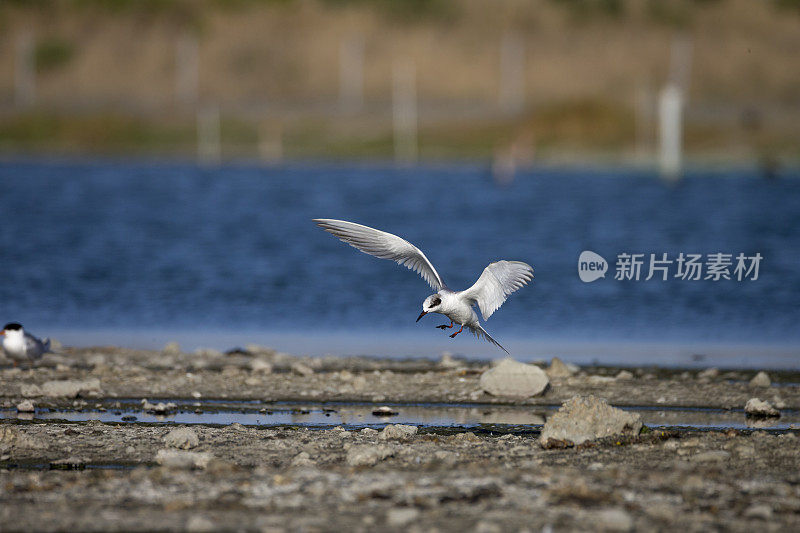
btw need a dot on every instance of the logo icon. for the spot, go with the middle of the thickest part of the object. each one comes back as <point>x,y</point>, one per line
<point>591,266</point>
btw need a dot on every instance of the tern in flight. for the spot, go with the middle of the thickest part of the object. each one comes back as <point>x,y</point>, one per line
<point>497,281</point>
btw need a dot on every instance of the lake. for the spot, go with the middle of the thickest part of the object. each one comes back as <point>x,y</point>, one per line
<point>143,251</point>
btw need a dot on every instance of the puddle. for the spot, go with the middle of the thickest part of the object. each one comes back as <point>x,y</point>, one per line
<point>13,465</point>
<point>359,415</point>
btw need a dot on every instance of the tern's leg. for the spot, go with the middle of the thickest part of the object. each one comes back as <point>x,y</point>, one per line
<point>445,326</point>
<point>457,332</point>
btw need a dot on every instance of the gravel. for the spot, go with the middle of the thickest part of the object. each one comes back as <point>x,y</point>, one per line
<point>93,476</point>
<point>71,388</point>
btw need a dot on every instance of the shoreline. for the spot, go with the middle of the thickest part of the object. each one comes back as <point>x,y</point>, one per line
<point>476,463</point>
<point>383,343</point>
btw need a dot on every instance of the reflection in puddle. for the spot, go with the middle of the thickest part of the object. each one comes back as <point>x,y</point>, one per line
<point>357,415</point>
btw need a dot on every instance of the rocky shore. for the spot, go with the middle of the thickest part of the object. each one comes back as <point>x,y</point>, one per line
<point>57,476</point>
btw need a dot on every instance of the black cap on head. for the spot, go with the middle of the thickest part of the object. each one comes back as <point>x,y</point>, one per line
<point>11,326</point>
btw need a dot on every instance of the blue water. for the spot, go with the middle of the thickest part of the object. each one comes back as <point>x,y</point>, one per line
<point>132,245</point>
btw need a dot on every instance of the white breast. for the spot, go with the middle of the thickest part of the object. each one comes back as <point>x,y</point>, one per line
<point>457,309</point>
<point>14,344</point>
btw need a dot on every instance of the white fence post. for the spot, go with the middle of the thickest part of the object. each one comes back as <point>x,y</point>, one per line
<point>512,74</point>
<point>404,111</point>
<point>670,110</point>
<point>209,149</point>
<point>186,71</point>
<point>351,74</point>
<point>24,70</point>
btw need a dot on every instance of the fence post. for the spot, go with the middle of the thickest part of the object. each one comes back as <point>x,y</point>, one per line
<point>351,74</point>
<point>209,149</point>
<point>404,111</point>
<point>512,74</point>
<point>670,110</point>
<point>186,71</point>
<point>25,70</point>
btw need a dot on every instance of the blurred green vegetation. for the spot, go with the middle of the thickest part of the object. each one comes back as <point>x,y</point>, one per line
<point>600,122</point>
<point>51,54</point>
<point>584,125</point>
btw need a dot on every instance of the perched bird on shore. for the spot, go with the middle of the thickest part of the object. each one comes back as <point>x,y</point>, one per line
<point>497,281</point>
<point>20,345</point>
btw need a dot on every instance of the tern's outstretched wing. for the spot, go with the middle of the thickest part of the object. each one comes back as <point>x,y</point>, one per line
<point>384,245</point>
<point>495,284</point>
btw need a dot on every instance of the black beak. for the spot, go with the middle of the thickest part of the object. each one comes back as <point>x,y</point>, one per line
<point>422,314</point>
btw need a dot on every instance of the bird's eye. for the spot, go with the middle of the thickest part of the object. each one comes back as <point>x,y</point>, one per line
<point>435,302</point>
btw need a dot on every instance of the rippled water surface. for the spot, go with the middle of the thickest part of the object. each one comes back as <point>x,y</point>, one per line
<point>168,246</point>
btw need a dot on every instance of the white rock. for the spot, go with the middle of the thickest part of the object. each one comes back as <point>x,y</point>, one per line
<point>302,369</point>
<point>209,353</point>
<point>8,434</point>
<point>447,361</point>
<point>400,516</point>
<point>487,526</point>
<point>30,390</point>
<point>302,459</point>
<point>708,373</point>
<point>624,375</point>
<point>70,388</point>
<point>762,511</point>
<point>397,431</point>
<point>200,524</point>
<point>757,407</point>
<point>96,359</point>
<point>159,408</point>
<point>584,418</point>
<point>514,379</point>
<point>258,349</point>
<point>711,456</point>
<point>760,380</point>
<point>368,454</point>
<point>183,438</point>
<point>260,366</point>
<point>558,369</point>
<point>612,520</point>
<point>183,459</point>
<point>26,406</point>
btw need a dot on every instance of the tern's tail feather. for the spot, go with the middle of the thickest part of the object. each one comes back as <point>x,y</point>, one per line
<point>46,345</point>
<point>480,332</point>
